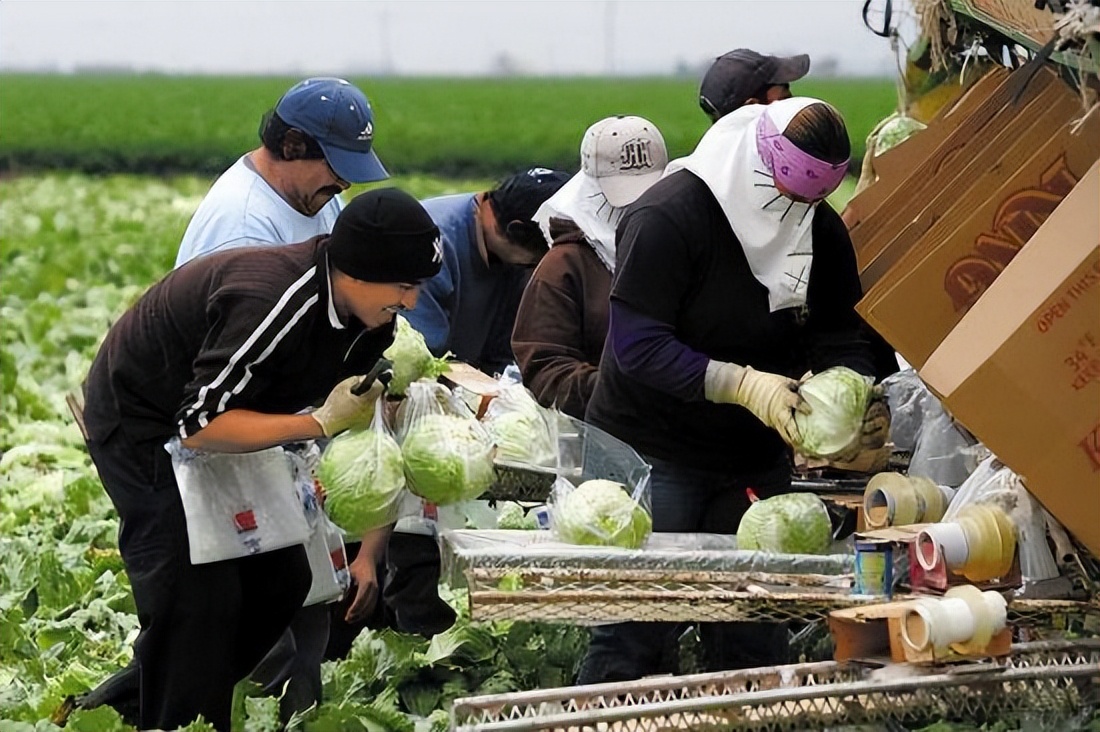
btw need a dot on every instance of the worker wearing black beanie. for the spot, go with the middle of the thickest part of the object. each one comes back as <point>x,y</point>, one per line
<point>385,235</point>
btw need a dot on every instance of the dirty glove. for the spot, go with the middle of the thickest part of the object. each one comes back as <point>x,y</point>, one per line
<point>876,422</point>
<point>344,409</point>
<point>773,399</point>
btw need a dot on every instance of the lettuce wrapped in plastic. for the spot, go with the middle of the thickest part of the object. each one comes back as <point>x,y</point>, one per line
<point>839,398</point>
<point>364,480</point>
<point>512,516</point>
<point>792,523</point>
<point>601,513</point>
<point>520,428</point>
<point>411,358</point>
<point>447,458</point>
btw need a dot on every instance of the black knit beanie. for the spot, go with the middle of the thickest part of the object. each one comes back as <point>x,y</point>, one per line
<point>385,235</point>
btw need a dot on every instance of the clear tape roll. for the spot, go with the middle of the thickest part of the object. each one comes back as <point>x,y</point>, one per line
<point>931,499</point>
<point>891,500</point>
<point>991,537</point>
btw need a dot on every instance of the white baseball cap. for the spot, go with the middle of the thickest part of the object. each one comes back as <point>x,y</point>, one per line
<point>625,155</point>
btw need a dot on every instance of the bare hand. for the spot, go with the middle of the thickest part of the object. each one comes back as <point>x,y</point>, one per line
<point>364,580</point>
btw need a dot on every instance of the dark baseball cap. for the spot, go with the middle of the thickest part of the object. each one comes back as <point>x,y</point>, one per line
<point>737,76</point>
<point>519,196</point>
<point>338,116</point>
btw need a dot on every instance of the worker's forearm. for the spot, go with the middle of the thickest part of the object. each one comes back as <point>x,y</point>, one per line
<point>242,430</point>
<point>374,542</point>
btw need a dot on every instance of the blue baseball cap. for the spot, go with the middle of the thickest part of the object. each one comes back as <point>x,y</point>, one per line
<point>338,116</point>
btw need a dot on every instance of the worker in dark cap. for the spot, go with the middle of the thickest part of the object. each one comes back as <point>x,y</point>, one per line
<point>744,76</point>
<point>225,355</point>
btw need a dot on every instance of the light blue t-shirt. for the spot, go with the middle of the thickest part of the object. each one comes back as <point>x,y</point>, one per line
<point>469,308</point>
<point>242,210</point>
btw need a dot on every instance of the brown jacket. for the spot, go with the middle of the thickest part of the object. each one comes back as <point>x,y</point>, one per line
<point>562,322</point>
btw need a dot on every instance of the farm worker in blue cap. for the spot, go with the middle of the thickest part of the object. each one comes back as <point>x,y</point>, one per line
<point>225,355</point>
<point>315,142</point>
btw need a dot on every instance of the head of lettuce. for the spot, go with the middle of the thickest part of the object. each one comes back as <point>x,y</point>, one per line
<point>364,480</point>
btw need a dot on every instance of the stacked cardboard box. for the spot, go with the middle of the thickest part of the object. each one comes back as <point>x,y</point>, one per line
<point>934,246</point>
<point>1022,368</point>
<point>981,268</point>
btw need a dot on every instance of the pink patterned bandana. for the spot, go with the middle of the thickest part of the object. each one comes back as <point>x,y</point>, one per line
<point>798,172</point>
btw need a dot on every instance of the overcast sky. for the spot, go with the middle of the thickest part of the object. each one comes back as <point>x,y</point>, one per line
<point>427,36</point>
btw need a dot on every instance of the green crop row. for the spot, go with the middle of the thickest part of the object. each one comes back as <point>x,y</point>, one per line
<point>170,124</point>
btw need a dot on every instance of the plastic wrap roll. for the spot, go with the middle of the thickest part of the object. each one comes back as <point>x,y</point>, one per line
<point>944,539</point>
<point>965,619</point>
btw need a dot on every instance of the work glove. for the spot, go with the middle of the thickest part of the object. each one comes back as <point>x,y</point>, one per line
<point>773,399</point>
<point>351,403</point>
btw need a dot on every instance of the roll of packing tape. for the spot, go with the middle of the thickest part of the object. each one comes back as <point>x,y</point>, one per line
<point>946,540</point>
<point>1008,540</point>
<point>989,611</point>
<point>938,623</point>
<point>890,500</point>
<point>991,537</point>
<point>931,499</point>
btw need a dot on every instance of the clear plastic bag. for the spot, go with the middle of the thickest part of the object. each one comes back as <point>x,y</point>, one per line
<point>905,394</point>
<point>325,546</point>
<point>601,513</point>
<point>524,432</point>
<point>239,504</point>
<point>993,483</point>
<point>362,473</point>
<point>448,454</point>
<point>944,449</point>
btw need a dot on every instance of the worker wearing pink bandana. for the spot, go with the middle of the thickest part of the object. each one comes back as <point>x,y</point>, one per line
<point>734,277</point>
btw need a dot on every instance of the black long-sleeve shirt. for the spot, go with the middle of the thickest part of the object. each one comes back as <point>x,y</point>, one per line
<point>248,328</point>
<point>680,265</point>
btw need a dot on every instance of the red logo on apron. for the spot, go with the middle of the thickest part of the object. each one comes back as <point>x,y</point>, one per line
<point>245,521</point>
<point>338,560</point>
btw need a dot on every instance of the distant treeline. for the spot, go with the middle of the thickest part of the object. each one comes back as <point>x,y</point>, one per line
<point>151,124</point>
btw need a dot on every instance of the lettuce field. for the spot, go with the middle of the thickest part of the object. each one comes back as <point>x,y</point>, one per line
<point>483,127</point>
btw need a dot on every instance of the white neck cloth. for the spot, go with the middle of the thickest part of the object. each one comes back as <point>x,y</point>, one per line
<point>774,231</point>
<point>581,201</point>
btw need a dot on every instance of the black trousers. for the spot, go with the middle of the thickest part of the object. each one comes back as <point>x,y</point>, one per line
<point>685,500</point>
<point>204,627</point>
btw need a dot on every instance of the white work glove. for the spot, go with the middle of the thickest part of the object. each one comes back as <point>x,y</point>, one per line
<point>773,399</point>
<point>344,409</point>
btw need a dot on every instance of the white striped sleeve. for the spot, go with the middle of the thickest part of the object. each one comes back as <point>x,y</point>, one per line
<point>247,338</point>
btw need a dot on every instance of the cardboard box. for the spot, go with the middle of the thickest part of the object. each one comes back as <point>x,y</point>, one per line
<point>1019,18</point>
<point>893,167</point>
<point>1000,115</point>
<point>1021,370</point>
<point>966,175</point>
<point>474,381</point>
<point>874,631</point>
<point>950,254</point>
